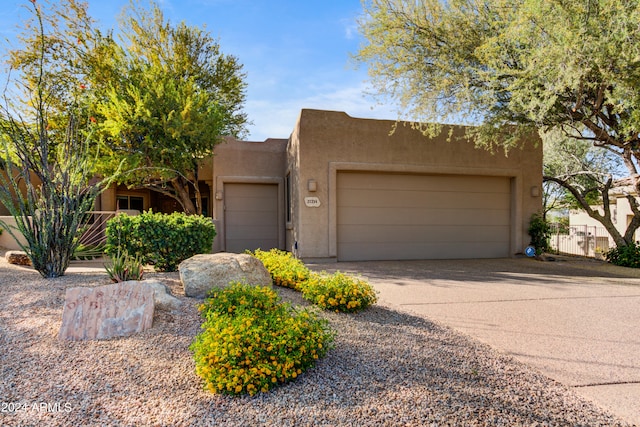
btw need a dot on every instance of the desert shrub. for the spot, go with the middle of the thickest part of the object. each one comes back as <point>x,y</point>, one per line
<point>285,270</point>
<point>164,240</point>
<point>540,232</point>
<point>251,342</point>
<point>239,296</point>
<point>339,292</point>
<point>625,256</point>
<point>87,252</point>
<point>124,267</point>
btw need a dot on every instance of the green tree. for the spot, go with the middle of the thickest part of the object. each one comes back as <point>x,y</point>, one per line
<point>570,66</point>
<point>174,98</point>
<point>46,181</point>
<point>578,174</point>
<point>54,56</point>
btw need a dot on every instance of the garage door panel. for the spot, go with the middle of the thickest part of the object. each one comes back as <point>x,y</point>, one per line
<point>258,204</point>
<point>402,216</point>
<point>245,218</point>
<point>423,199</point>
<point>251,243</point>
<point>408,251</point>
<point>257,232</point>
<point>450,183</point>
<point>425,233</point>
<point>251,216</point>
<point>383,216</point>
<point>250,190</point>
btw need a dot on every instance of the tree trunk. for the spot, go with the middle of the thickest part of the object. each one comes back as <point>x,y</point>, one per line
<point>182,196</point>
<point>604,218</point>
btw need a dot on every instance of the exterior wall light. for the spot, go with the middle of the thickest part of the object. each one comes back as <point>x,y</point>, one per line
<point>312,185</point>
<point>535,191</point>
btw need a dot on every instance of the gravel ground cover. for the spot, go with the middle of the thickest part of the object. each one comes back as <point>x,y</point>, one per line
<point>387,369</point>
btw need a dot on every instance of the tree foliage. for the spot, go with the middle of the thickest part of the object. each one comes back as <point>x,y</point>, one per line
<point>54,55</point>
<point>579,163</point>
<point>46,181</point>
<point>171,95</point>
<point>568,66</point>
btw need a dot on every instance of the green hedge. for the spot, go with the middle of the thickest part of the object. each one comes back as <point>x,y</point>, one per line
<point>625,256</point>
<point>164,240</point>
<point>251,342</point>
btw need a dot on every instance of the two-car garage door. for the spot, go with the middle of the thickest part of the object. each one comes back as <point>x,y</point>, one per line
<point>387,216</point>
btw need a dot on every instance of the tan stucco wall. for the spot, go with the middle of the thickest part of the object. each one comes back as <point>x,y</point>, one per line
<point>247,162</point>
<point>6,239</point>
<point>325,142</point>
<point>4,211</point>
<point>620,211</point>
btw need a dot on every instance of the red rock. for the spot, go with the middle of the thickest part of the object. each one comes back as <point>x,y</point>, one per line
<point>117,310</point>
<point>17,258</point>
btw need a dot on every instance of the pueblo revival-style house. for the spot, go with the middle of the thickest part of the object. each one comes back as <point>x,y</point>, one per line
<point>342,188</point>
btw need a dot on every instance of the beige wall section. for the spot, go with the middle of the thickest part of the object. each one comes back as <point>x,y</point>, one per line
<point>620,212</point>
<point>6,239</point>
<point>293,176</point>
<point>325,142</point>
<point>21,185</point>
<point>247,162</point>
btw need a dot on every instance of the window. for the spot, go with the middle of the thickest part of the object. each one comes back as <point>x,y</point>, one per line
<point>205,205</point>
<point>130,203</point>
<point>287,184</point>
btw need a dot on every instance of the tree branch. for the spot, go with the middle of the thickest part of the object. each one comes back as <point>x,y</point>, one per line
<point>605,218</point>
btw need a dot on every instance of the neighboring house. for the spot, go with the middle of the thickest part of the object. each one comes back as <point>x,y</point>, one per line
<point>589,235</point>
<point>621,213</point>
<point>343,188</point>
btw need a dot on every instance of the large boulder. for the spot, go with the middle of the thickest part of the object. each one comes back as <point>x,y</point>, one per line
<point>17,258</point>
<point>203,272</point>
<point>104,312</point>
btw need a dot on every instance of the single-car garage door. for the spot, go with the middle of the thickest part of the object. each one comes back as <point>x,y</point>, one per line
<point>250,216</point>
<point>387,216</point>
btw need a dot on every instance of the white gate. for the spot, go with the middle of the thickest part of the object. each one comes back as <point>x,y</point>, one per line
<point>584,240</point>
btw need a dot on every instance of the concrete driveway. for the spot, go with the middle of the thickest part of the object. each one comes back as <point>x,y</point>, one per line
<point>577,321</point>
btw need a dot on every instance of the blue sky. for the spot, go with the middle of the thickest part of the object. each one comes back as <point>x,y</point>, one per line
<point>296,53</point>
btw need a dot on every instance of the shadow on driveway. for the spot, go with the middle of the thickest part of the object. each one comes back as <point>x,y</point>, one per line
<point>576,320</point>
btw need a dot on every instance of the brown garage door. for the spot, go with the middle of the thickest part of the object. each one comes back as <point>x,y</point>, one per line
<point>250,216</point>
<point>384,216</point>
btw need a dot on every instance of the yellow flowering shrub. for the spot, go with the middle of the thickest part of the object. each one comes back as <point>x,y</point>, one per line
<point>339,292</point>
<point>251,342</point>
<point>239,295</point>
<point>285,269</point>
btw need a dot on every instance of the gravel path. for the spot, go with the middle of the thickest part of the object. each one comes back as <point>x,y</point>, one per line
<point>387,369</point>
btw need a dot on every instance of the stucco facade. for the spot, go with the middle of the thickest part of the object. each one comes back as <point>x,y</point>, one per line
<point>344,188</point>
<point>324,144</point>
<point>241,162</point>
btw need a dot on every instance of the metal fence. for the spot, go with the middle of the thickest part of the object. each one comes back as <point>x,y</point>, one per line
<point>93,237</point>
<point>584,240</point>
